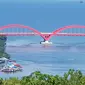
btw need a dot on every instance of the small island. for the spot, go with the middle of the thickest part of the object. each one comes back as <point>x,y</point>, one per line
<point>3,53</point>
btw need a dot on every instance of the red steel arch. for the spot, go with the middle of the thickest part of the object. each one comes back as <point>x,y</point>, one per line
<point>45,36</point>
<point>24,27</point>
<point>64,28</point>
<point>67,27</point>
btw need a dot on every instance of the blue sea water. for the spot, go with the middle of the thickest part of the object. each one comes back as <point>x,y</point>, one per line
<point>44,17</point>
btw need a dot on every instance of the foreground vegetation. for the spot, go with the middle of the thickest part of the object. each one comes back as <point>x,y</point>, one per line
<point>37,78</point>
<point>3,40</point>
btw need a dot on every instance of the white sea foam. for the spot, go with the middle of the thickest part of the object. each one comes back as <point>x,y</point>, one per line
<point>18,42</point>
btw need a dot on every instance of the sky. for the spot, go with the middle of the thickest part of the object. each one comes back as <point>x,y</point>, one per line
<point>48,1</point>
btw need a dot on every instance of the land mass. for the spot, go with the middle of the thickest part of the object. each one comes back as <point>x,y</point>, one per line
<point>3,53</point>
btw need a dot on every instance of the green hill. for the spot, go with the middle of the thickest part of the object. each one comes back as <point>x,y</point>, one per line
<point>3,40</point>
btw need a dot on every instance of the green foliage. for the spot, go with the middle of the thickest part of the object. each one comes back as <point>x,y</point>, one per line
<point>37,78</point>
<point>3,40</point>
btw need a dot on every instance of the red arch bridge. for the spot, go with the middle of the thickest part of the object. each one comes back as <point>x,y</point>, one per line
<point>22,30</point>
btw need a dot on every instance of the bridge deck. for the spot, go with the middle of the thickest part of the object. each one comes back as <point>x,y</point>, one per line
<point>35,34</point>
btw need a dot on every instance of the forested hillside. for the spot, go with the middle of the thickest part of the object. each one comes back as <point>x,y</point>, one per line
<point>3,40</point>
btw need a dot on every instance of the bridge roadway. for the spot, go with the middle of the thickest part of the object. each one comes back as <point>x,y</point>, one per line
<point>43,33</point>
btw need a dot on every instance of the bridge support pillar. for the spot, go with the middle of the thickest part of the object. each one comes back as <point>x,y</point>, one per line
<point>45,42</point>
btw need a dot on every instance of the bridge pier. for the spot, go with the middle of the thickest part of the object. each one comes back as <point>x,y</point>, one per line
<point>45,42</point>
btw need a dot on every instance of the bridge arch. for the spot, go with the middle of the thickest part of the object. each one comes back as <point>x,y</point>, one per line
<point>47,36</point>
<point>67,27</point>
<point>64,28</point>
<point>22,27</point>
